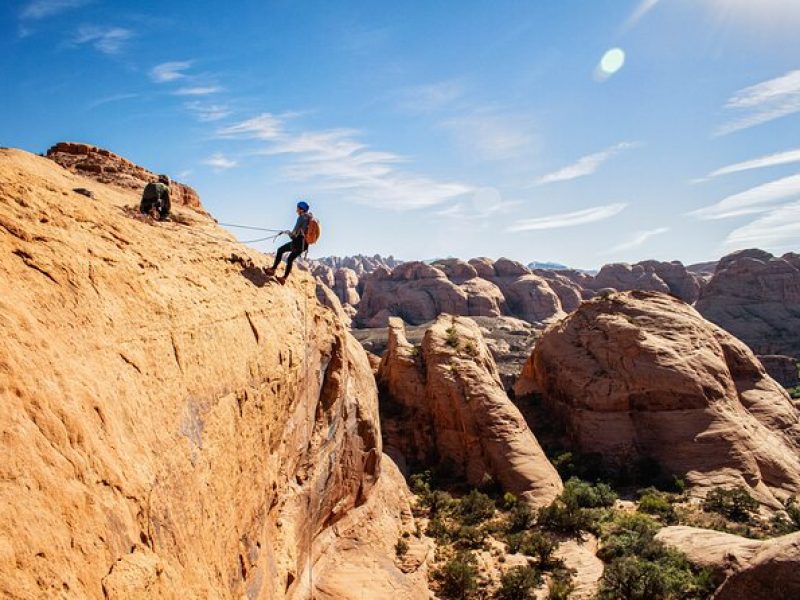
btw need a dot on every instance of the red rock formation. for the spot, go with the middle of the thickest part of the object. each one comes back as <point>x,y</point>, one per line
<point>172,427</point>
<point>641,374</point>
<point>446,405</point>
<point>106,167</point>
<point>756,296</point>
<point>782,369</point>
<point>751,569</point>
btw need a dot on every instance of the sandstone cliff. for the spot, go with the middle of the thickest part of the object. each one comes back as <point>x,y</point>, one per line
<point>445,404</point>
<point>173,425</point>
<point>641,374</point>
<point>756,296</point>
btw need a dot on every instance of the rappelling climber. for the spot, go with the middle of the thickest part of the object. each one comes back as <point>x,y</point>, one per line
<point>299,242</point>
<point>155,198</point>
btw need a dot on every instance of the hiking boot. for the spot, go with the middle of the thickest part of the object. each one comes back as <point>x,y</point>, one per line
<point>269,271</point>
<point>281,279</point>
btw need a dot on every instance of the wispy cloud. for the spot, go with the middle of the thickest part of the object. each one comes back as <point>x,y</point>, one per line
<point>335,160</point>
<point>208,113</point>
<point>771,160</point>
<point>106,39</point>
<point>479,205</point>
<point>219,162</point>
<point>585,165</point>
<point>570,219</point>
<point>170,71</point>
<point>755,200</point>
<point>41,9</point>
<point>763,102</point>
<point>430,97</point>
<point>110,99</point>
<point>777,231</point>
<point>638,239</point>
<point>644,7</point>
<point>197,90</point>
<point>491,134</point>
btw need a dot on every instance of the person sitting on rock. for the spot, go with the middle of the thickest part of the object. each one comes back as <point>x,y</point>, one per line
<point>155,198</point>
<point>297,245</point>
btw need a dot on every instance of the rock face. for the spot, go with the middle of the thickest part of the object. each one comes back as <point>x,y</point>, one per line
<point>641,374</point>
<point>106,167</point>
<point>173,427</point>
<point>782,369</point>
<point>756,296</point>
<point>446,405</point>
<point>359,263</point>
<point>752,569</point>
<point>649,275</point>
<point>418,292</point>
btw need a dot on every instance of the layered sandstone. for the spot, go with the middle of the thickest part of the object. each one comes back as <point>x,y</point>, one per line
<point>642,374</point>
<point>648,275</point>
<point>174,425</point>
<point>106,167</point>
<point>752,569</point>
<point>756,296</point>
<point>446,406</point>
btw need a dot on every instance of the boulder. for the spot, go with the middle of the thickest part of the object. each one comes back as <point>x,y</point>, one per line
<point>625,277</point>
<point>569,293</point>
<point>752,569</point>
<point>446,406</point>
<point>643,375</point>
<point>756,296</point>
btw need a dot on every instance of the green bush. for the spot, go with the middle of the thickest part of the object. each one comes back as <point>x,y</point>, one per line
<point>439,503</point>
<point>653,502</point>
<point>565,518</point>
<point>789,521</point>
<point>401,547</point>
<point>514,541</point>
<point>458,577</point>
<point>670,577</point>
<point>631,534</point>
<point>794,392</point>
<point>735,504</point>
<point>561,584</point>
<point>469,536</point>
<point>474,508</point>
<point>452,337</point>
<point>518,583</point>
<point>540,545</point>
<point>437,529</point>
<point>521,517</point>
<point>585,495</point>
<point>508,501</point>
<point>421,483</point>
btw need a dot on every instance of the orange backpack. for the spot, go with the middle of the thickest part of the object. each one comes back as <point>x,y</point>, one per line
<point>313,230</point>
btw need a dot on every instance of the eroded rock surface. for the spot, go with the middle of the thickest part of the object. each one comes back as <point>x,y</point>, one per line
<point>106,167</point>
<point>642,374</point>
<point>174,425</point>
<point>756,296</point>
<point>445,403</point>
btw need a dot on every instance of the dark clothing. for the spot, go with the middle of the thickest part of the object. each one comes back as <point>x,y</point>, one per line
<point>156,196</point>
<point>295,248</point>
<point>301,226</point>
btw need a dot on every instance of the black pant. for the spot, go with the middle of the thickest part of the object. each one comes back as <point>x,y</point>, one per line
<point>295,248</point>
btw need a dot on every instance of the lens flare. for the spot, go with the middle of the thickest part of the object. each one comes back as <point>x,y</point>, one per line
<point>612,61</point>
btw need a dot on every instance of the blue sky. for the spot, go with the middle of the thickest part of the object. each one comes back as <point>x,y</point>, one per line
<point>428,129</point>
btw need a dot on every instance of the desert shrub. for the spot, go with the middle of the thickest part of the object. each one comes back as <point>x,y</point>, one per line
<point>474,508</point>
<point>514,542</point>
<point>452,337</point>
<point>469,536</point>
<point>471,349</point>
<point>508,501</point>
<point>421,483</point>
<point>630,534</point>
<point>439,502</point>
<point>585,495</point>
<point>458,577</point>
<point>401,547</point>
<point>653,502</point>
<point>735,503</point>
<point>437,529</point>
<point>589,466</point>
<point>566,518</point>
<point>521,517</point>
<point>518,583</point>
<point>540,545</point>
<point>561,584</point>
<point>635,578</point>
<point>789,520</point>
<point>794,392</point>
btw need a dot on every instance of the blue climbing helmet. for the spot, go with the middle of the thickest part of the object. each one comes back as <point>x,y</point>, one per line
<point>303,205</point>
